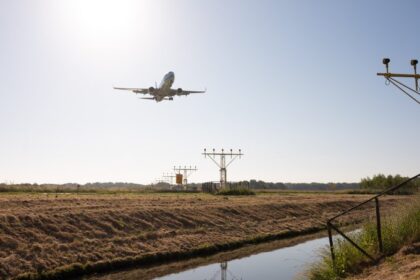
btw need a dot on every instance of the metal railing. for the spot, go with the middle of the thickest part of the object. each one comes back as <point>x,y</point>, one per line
<point>331,226</point>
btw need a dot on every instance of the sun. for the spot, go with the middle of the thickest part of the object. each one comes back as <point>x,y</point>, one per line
<point>101,19</point>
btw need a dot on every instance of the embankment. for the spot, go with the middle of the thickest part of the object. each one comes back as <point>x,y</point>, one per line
<point>43,232</point>
<point>403,265</point>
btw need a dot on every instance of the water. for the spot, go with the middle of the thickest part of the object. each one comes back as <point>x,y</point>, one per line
<point>285,263</point>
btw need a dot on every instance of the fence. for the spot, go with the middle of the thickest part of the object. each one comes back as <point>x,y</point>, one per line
<point>331,226</point>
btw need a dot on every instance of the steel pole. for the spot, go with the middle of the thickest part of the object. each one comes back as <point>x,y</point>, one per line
<point>378,225</point>
<point>331,243</point>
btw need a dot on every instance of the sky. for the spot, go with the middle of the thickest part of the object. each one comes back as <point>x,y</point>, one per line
<point>291,83</point>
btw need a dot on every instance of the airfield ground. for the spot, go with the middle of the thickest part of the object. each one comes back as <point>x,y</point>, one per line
<point>40,232</point>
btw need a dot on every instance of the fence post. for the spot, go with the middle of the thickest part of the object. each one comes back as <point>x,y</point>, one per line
<point>378,225</point>
<point>331,243</point>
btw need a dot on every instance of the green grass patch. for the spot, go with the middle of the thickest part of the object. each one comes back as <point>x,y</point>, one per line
<point>400,227</point>
<point>236,192</point>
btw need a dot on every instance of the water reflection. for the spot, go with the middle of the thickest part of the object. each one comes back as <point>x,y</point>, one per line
<point>285,263</point>
<point>223,273</point>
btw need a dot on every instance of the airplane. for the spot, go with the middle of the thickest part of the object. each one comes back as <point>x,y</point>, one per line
<point>164,91</point>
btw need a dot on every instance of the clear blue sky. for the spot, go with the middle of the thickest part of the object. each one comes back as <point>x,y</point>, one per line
<point>291,83</point>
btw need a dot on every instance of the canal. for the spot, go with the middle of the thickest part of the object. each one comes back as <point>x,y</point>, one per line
<point>282,259</point>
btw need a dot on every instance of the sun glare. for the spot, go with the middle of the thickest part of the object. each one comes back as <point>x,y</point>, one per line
<point>104,19</point>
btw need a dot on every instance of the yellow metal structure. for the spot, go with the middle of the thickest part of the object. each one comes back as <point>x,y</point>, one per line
<point>179,179</point>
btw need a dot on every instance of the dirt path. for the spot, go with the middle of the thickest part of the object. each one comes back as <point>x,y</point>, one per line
<point>405,265</point>
<point>42,232</point>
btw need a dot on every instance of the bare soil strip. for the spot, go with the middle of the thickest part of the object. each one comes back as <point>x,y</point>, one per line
<point>43,232</point>
<point>403,265</point>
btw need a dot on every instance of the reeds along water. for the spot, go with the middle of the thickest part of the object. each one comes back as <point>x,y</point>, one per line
<point>400,227</point>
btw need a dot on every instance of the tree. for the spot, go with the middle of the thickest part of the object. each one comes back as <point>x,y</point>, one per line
<point>381,182</point>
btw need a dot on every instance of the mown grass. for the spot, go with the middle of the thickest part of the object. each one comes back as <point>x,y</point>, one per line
<point>401,227</point>
<point>376,191</point>
<point>48,190</point>
<point>40,233</point>
<point>78,269</point>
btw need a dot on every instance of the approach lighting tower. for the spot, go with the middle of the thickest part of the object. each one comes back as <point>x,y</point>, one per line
<point>158,182</point>
<point>222,163</point>
<point>415,93</point>
<point>169,177</point>
<point>224,272</point>
<point>186,172</point>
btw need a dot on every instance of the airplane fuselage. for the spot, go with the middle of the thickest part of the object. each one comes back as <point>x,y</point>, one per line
<point>164,89</point>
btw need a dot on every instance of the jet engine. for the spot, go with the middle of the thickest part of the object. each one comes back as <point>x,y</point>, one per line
<point>171,98</point>
<point>179,90</point>
<point>151,89</point>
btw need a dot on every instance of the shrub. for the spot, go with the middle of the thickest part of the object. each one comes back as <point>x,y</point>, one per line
<point>236,192</point>
<point>381,182</point>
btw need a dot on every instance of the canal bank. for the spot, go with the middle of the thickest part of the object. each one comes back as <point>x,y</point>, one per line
<point>97,234</point>
<point>281,259</point>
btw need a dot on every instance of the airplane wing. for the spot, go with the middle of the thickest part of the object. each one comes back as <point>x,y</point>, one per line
<point>135,90</point>
<point>185,92</point>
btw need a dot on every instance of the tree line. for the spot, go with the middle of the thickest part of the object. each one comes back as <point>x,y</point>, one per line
<point>381,182</point>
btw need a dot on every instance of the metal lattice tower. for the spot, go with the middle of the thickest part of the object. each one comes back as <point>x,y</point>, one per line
<point>169,177</point>
<point>222,162</point>
<point>186,172</point>
<point>390,79</point>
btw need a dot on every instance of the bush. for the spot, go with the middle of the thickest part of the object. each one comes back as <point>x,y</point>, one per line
<point>381,182</point>
<point>236,192</point>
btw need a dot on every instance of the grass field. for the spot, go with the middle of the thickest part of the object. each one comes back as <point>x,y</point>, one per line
<point>42,232</point>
